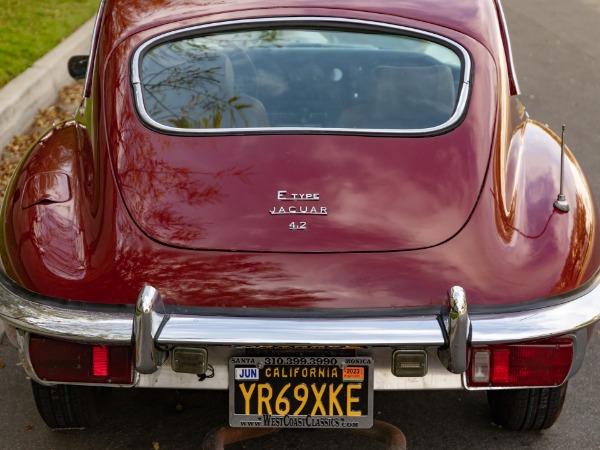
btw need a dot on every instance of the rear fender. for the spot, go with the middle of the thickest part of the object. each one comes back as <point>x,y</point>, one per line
<point>47,217</point>
<point>527,183</point>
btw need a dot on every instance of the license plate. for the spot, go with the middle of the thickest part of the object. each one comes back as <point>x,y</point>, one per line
<point>301,392</point>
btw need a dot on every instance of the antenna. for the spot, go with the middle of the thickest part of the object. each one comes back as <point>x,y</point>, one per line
<point>561,202</point>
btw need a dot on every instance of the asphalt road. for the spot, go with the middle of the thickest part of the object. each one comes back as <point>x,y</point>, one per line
<point>557,52</point>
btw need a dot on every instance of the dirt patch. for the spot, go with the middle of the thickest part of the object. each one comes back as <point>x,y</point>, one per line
<point>68,99</point>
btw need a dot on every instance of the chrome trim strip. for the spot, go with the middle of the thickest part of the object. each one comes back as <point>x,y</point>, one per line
<point>577,312</point>
<point>218,357</point>
<point>580,341</point>
<point>508,47</point>
<point>24,356</point>
<point>87,84</point>
<point>293,331</point>
<point>458,112</point>
<point>24,310</point>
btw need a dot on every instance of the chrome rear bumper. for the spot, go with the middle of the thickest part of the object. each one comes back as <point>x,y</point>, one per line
<point>153,331</point>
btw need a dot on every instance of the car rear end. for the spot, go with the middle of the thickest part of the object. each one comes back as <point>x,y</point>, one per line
<point>303,208</point>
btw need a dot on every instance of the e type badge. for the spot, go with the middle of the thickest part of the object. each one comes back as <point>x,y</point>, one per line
<point>297,208</point>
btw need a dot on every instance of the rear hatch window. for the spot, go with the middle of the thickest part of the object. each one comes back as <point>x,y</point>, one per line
<point>300,78</point>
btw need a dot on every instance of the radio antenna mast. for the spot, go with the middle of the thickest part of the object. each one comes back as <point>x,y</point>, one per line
<point>561,202</point>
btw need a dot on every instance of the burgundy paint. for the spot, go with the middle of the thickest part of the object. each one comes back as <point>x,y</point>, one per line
<point>515,247</point>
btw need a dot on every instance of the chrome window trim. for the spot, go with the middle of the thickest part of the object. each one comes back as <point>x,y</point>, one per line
<point>312,21</point>
<point>87,84</point>
<point>508,48</point>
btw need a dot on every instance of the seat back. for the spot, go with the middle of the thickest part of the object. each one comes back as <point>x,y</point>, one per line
<point>196,90</point>
<point>404,98</point>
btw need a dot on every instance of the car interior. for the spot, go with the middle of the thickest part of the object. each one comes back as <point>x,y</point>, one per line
<point>297,86</point>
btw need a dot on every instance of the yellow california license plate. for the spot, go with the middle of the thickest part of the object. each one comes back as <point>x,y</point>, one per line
<point>301,392</point>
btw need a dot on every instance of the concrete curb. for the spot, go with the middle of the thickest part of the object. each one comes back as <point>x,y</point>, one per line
<point>38,86</point>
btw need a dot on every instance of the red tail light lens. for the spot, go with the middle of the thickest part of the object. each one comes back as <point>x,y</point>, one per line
<point>72,362</point>
<point>530,364</point>
<point>100,361</point>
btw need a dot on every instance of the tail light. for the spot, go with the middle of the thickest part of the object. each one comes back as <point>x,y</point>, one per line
<point>72,362</point>
<point>529,364</point>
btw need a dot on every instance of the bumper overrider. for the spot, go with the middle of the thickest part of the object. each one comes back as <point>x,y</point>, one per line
<point>445,339</point>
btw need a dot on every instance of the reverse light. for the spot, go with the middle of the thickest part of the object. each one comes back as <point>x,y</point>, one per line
<point>529,364</point>
<point>72,362</point>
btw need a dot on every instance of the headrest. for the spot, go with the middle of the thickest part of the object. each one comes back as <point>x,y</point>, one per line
<point>188,89</point>
<point>416,85</point>
<point>213,76</point>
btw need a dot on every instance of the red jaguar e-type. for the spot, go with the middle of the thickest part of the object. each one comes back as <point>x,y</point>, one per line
<point>301,202</point>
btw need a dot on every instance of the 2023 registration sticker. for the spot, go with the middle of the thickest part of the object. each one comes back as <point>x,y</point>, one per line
<point>301,392</point>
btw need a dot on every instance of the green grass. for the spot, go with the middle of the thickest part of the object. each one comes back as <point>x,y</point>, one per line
<point>30,28</point>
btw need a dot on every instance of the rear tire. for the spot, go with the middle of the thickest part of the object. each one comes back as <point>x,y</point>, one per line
<point>65,407</point>
<point>527,409</point>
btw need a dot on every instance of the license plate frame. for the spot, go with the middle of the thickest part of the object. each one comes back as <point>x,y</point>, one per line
<point>332,385</point>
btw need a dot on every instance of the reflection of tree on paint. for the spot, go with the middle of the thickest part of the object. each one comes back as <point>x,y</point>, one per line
<point>189,85</point>
<point>579,248</point>
<point>186,187</point>
<point>82,248</point>
<point>222,281</point>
